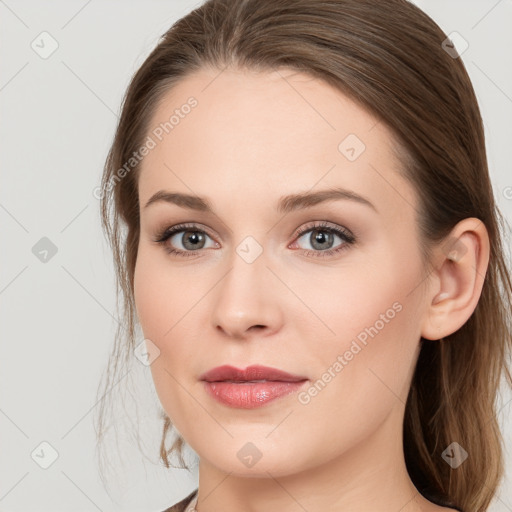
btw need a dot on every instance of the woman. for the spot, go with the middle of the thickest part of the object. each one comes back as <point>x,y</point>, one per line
<point>313,253</point>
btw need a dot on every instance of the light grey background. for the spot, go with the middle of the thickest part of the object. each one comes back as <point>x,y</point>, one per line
<point>58,116</point>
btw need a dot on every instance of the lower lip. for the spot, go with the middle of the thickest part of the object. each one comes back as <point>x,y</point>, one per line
<point>248,395</point>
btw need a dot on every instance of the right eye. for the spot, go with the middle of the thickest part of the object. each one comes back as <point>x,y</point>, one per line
<point>190,236</point>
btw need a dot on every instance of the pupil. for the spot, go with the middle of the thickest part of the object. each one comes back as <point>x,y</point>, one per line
<point>194,238</point>
<point>322,238</point>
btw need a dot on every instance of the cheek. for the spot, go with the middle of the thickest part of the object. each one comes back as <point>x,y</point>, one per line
<point>366,329</point>
<point>162,295</point>
<point>164,299</point>
<point>363,371</point>
<point>335,305</point>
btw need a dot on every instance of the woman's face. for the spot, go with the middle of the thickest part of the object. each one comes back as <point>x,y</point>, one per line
<point>342,309</point>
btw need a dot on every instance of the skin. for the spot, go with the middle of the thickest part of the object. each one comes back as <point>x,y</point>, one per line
<point>253,138</point>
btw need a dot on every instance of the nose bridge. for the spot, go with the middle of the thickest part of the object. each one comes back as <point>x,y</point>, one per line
<point>245,296</point>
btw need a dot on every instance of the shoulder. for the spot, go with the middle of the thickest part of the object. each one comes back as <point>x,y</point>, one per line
<point>182,505</point>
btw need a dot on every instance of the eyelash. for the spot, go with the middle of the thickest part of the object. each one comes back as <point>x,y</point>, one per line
<point>344,234</point>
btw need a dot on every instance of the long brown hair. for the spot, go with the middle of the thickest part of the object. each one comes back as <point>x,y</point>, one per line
<point>389,57</point>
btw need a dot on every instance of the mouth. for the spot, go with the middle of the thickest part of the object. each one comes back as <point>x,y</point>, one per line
<point>250,394</point>
<point>250,388</point>
<point>245,381</point>
<point>254,373</point>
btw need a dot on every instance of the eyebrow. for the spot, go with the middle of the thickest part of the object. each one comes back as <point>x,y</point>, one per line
<point>286,204</point>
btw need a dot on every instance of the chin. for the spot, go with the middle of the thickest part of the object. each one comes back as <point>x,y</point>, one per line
<point>254,460</point>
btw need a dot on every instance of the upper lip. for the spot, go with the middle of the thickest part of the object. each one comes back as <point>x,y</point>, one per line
<point>251,373</point>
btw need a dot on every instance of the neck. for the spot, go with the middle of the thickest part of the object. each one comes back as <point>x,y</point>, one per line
<point>371,475</point>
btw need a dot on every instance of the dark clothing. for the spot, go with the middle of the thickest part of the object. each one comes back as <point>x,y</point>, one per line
<point>182,505</point>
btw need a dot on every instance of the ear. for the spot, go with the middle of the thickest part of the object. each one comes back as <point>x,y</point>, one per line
<point>460,264</point>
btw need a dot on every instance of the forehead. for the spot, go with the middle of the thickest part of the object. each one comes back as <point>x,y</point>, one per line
<point>241,109</point>
<point>263,131</point>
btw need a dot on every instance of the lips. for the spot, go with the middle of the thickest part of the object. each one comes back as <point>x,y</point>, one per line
<point>253,387</point>
<point>254,373</point>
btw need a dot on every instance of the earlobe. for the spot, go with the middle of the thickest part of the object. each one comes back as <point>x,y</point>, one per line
<point>461,263</point>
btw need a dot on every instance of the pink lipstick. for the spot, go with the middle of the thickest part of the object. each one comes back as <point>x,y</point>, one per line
<point>253,387</point>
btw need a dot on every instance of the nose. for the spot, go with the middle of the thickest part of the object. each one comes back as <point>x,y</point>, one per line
<point>246,300</point>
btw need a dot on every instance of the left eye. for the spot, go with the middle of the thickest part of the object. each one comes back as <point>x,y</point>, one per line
<point>322,239</point>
